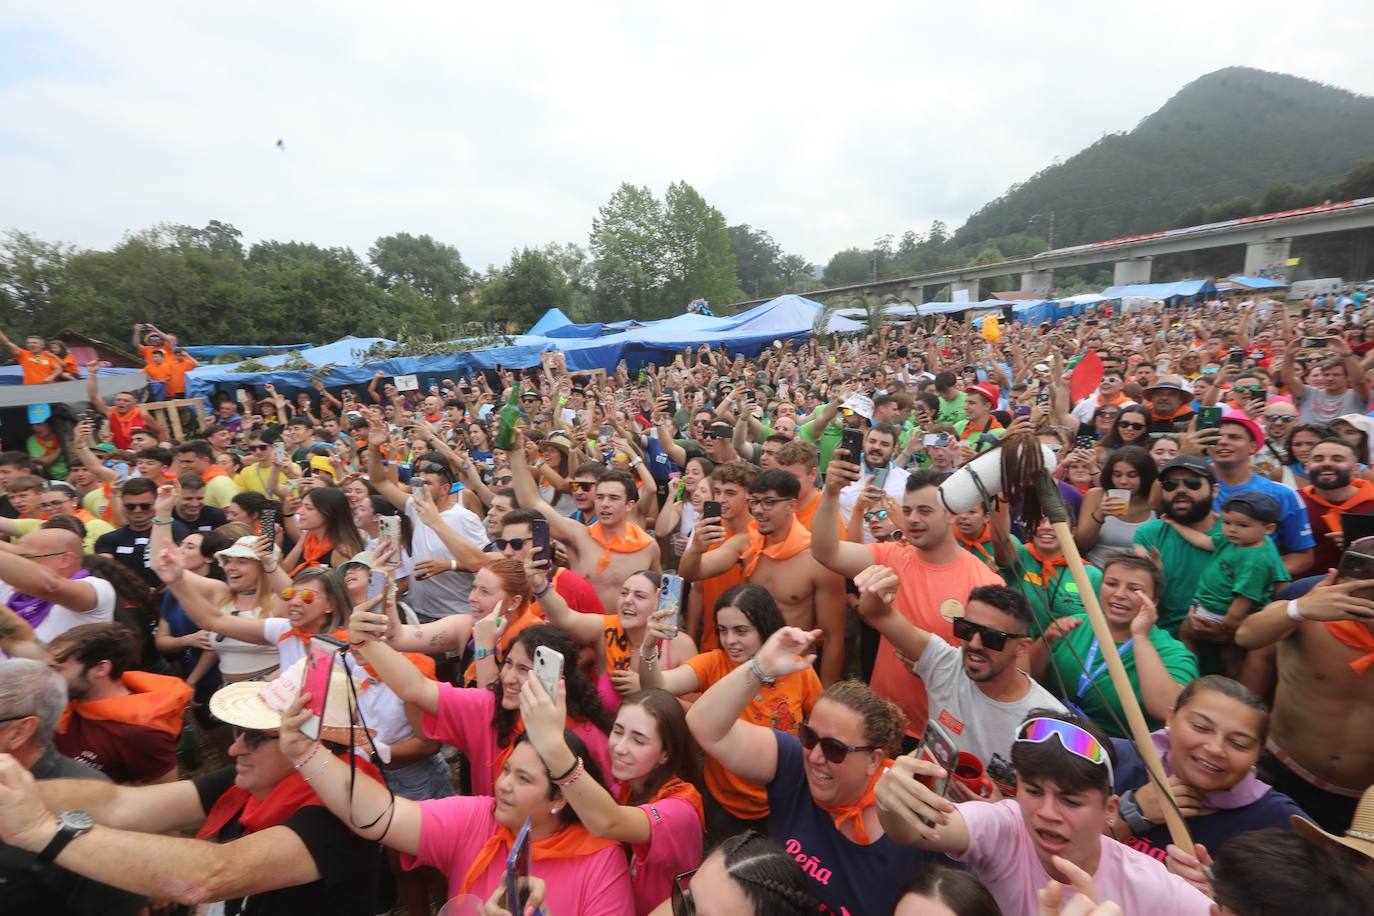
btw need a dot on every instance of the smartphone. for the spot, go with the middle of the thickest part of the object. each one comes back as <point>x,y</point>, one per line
<point>1084,442</point>
<point>548,667</point>
<point>1162,364</point>
<point>417,486</point>
<point>279,449</point>
<point>604,434</point>
<point>937,746</point>
<point>852,441</point>
<point>318,665</point>
<point>1314,343</point>
<point>710,509</point>
<point>518,871</point>
<point>389,527</point>
<point>1043,395</point>
<point>879,479</point>
<point>543,548</point>
<point>1209,418</point>
<point>1021,410</point>
<point>269,523</point>
<point>670,597</point>
<point>937,439</point>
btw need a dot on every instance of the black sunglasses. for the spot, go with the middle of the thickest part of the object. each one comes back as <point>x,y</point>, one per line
<point>513,543</point>
<point>252,738</point>
<point>682,894</point>
<point>993,638</point>
<point>834,749</point>
<point>1173,483</point>
<point>1129,424</point>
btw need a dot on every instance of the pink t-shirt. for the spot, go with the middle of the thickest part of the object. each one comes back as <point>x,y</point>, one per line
<point>1002,853</point>
<point>674,847</point>
<point>452,830</point>
<point>465,721</point>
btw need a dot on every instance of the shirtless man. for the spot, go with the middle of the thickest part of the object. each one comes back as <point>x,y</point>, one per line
<point>775,552</point>
<point>609,550</point>
<point>1320,750</point>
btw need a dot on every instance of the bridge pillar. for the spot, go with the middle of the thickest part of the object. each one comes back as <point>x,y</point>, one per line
<point>969,289</point>
<point>1037,281</point>
<point>915,293</point>
<point>1136,270</point>
<point>1267,258</point>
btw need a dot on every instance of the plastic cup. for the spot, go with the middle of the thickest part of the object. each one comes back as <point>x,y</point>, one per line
<point>1121,500</point>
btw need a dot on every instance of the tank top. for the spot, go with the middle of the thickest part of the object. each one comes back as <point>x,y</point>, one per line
<point>239,660</point>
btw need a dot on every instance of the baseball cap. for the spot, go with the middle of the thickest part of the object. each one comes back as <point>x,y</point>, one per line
<point>1190,463</point>
<point>1253,428</point>
<point>987,390</point>
<point>1255,504</point>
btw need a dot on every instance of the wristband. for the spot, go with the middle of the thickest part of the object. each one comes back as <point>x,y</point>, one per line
<point>452,565</point>
<point>1130,812</point>
<point>548,584</point>
<point>479,653</point>
<point>162,521</point>
<point>570,778</point>
<point>308,757</point>
<point>1294,613</point>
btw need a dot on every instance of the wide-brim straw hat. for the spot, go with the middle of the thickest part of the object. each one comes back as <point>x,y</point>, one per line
<point>1359,836</point>
<point>258,706</point>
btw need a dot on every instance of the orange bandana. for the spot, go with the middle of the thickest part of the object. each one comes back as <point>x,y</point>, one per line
<point>674,787</point>
<point>573,841</point>
<point>797,540</point>
<point>1357,636</point>
<point>313,551</point>
<point>158,701</point>
<point>634,539</point>
<point>855,812</point>
<point>214,471</point>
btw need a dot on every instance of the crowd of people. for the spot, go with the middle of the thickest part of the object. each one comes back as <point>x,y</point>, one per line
<point>707,636</point>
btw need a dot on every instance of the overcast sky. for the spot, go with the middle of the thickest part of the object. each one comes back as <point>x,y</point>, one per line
<point>494,126</point>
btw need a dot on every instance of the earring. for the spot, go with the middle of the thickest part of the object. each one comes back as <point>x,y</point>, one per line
<point>553,810</point>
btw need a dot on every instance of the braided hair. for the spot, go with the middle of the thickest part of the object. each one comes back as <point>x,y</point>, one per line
<point>770,878</point>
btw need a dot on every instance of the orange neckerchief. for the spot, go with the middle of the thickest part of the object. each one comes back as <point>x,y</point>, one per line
<point>572,842</point>
<point>797,540</point>
<point>302,635</point>
<point>632,540</point>
<point>674,787</point>
<point>855,812</point>
<point>1043,560</point>
<point>1043,578</point>
<point>158,701</point>
<point>212,472</point>
<point>1364,491</point>
<point>313,550</point>
<point>1357,636</point>
<point>286,798</point>
<point>980,546</point>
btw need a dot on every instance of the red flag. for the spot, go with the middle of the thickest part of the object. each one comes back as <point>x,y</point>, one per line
<point>1086,377</point>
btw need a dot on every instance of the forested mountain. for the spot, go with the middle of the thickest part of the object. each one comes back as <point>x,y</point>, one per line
<point>1225,135</point>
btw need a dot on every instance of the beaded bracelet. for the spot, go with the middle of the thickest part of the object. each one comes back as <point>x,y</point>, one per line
<point>577,771</point>
<point>309,757</point>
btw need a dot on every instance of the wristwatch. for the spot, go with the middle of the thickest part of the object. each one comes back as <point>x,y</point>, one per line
<point>1130,812</point>
<point>70,825</point>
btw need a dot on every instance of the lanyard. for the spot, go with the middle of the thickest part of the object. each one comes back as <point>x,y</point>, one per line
<point>1090,674</point>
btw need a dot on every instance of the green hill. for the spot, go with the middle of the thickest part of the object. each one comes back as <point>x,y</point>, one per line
<point>1227,135</point>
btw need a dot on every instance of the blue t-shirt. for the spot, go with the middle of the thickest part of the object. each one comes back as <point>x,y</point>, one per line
<point>1295,528</point>
<point>846,877</point>
<point>1211,830</point>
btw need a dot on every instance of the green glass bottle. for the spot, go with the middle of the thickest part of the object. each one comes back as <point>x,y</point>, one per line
<point>510,415</point>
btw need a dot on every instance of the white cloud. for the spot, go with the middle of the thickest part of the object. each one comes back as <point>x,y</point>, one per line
<point>497,127</point>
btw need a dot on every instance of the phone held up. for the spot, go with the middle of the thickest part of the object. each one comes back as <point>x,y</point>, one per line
<point>938,747</point>
<point>852,441</point>
<point>670,597</point>
<point>518,871</point>
<point>548,668</point>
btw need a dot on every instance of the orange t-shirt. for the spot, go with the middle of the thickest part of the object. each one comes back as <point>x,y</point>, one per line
<point>922,588</point>
<point>37,367</point>
<point>180,365</point>
<point>783,706</point>
<point>712,589</point>
<point>807,515</point>
<point>159,372</point>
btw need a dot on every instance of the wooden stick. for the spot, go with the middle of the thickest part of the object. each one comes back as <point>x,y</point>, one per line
<point>1053,504</point>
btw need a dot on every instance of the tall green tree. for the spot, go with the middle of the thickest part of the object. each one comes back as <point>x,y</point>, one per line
<point>521,292</point>
<point>432,268</point>
<point>698,263</point>
<point>628,254</point>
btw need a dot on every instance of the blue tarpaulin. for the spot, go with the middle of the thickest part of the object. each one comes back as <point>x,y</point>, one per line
<point>246,351</point>
<point>1258,282</point>
<point>1180,289</point>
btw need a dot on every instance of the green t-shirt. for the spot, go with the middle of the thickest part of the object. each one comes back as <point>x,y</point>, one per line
<point>952,411</point>
<point>1183,566</point>
<point>58,469</point>
<point>1250,572</point>
<point>1100,701</point>
<point>1050,596</point>
<point>826,442</point>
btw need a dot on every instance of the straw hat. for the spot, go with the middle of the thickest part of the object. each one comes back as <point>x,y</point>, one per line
<point>1359,836</point>
<point>258,706</point>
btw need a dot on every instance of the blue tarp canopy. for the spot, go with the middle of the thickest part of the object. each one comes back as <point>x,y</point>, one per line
<point>14,375</point>
<point>1036,311</point>
<point>553,318</point>
<point>246,351</point>
<point>785,318</point>
<point>1258,282</point>
<point>1180,289</point>
<point>947,308</point>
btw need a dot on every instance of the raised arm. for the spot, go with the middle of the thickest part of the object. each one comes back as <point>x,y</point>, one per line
<point>527,494</point>
<point>745,749</point>
<point>202,598</point>
<point>877,587</point>
<point>585,629</point>
<point>1289,371</point>
<point>700,562</point>
<point>678,681</point>
<point>366,631</point>
<point>93,391</point>
<point>847,559</point>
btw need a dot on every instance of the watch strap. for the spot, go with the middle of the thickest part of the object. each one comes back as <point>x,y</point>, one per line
<point>68,828</point>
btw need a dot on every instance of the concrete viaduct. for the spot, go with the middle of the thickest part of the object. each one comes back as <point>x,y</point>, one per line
<point>1266,239</point>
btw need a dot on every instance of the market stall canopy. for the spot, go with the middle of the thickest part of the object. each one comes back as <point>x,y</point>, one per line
<point>1163,292</point>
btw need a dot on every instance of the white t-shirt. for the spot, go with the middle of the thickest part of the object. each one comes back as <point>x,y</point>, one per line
<point>61,619</point>
<point>894,487</point>
<point>1002,854</point>
<point>447,593</point>
<point>980,725</point>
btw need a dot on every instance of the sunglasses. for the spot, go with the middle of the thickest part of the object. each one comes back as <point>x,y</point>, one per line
<point>258,448</point>
<point>306,595</point>
<point>1248,389</point>
<point>1108,416</point>
<point>1279,418</point>
<point>500,544</point>
<point>138,507</point>
<point>584,486</point>
<point>1110,379</point>
<point>252,738</point>
<point>503,481</point>
<point>834,749</point>
<point>1130,424</point>
<point>682,894</point>
<point>993,639</point>
<point>1173,483</point>
<point>1072,738</point>
<point>880,514</point>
